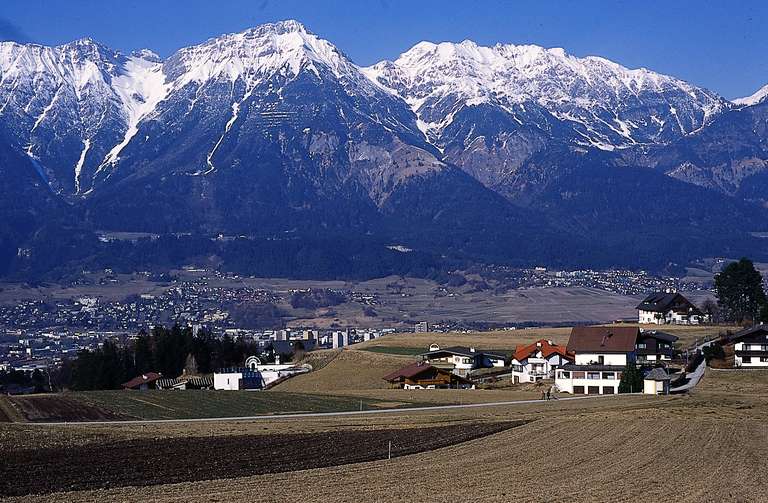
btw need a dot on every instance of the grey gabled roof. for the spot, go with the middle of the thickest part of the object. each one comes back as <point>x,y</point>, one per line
<point>749,331</point>
<point>661,336</point>
<point>657,374</point>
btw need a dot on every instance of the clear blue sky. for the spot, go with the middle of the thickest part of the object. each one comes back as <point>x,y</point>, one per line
<point>719,45</point>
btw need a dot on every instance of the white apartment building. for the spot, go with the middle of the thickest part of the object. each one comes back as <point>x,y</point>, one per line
<point>601,354</point>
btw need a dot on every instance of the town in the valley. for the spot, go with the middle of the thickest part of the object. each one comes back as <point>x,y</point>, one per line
<point>637,354</point>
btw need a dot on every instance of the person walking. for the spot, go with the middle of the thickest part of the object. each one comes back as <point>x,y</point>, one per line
<point>548,394</point>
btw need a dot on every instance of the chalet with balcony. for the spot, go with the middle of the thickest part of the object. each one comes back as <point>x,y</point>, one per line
<point>750,347</point>
<point>669,308</point>
<point>600,356</point>
<point>538,361</point>
<point>422,375</point>
<point>654,346</point>
<point>462,360</point>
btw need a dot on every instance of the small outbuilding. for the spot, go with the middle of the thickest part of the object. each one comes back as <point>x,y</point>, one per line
<point>656,382</point>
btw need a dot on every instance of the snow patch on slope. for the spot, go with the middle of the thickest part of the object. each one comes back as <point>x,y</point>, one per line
<point>140,88</point>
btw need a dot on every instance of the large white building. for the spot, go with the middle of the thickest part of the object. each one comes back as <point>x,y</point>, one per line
<point>601,354</point>
<point>538,361</point>
<point>669,308</point>
<point>750,347</point>
<point>253,376</point>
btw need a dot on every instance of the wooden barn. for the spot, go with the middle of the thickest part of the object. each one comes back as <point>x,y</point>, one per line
<point>422,375</point>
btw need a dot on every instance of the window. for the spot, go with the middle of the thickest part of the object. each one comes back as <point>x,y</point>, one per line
<point>609,375</point>
<point>764,358</point>
<point>746,359</point>
<point>601,360</point>
<point>641,345</point>
<point>593,390</point>
<point>593,375</point>
<point>565,375</point>
<point>578,390</point>
<point>609,390</point>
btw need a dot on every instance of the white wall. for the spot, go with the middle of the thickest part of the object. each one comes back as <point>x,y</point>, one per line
<point>649,317</point>
<point>566,384</point>
<point>229,381</point>
<point>738,361</point>
<point>609,358</point>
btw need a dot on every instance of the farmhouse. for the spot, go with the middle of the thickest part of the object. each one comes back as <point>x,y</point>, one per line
<point>601,353</point>
<point>422,375</point>
<point>461,360</point>
<point>538,361</point>
<point>654,346</point>
<point>669,308</point>
<point>750,347</point>
<point>143,382</point>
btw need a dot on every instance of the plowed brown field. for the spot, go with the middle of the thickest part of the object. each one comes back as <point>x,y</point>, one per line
<point>148,462</point>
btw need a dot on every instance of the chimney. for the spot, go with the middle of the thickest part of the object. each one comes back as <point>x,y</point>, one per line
<point>538,344</point>
<point>471,350</point>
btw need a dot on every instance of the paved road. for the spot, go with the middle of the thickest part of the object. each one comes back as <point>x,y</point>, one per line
<point>695,376</point>
<point>328,414</point>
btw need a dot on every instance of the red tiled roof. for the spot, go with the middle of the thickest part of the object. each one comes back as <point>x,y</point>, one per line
<point>546,347</point>
<point>603,339</point>
<point>142,379</point>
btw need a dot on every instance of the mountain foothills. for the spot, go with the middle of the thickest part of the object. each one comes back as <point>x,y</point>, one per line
<point>270,152</point>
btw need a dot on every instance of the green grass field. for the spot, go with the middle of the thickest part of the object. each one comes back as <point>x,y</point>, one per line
<point>201,404</point>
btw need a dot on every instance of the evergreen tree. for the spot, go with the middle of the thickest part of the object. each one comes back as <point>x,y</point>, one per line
<point>764,313</point>
<point>740,292</point>
<point>631,379</point>
<point>143,357</point>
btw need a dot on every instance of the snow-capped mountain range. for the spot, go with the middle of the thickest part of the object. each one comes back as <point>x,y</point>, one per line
<point>607,106</point>
<point>275,128</point>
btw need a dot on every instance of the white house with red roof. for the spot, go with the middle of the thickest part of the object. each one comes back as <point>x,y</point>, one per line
<point>538,361</point>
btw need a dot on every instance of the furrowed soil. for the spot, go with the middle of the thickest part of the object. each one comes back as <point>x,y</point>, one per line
<point>147,462</point>
<point>178,404</point>
<point>53,408</point>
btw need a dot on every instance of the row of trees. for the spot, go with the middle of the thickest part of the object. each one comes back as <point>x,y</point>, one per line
<point>741,294</point>
<point>168,351</point>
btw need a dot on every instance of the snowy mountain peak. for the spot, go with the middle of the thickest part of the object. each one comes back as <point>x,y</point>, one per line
<point>758,97</point>
<point>284,48</point>
<point>597,97</point>
<point>146,54</point>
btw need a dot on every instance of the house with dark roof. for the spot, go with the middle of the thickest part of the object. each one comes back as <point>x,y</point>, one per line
<point>538,361</point>
<point>654,346</point>
<point>143,382</point>
<point>750,347</point>
<point>422,375</point>
<point>669,308</point>
<point>462,360</point>
<point>600,356</point>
